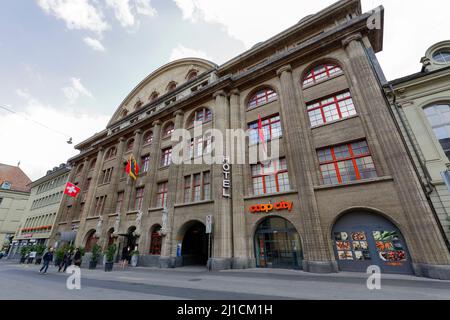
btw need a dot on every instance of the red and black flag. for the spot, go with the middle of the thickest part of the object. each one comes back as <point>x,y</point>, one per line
<point>132,167</point>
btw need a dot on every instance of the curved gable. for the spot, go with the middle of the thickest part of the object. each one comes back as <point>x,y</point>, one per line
<point>157,83</point>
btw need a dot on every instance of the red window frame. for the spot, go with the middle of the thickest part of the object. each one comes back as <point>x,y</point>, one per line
<point>197,186</point>
<point>276,173</point>
<point>166,157</point>
<point>138,199</point>
<point>262,97</point>
<point>148,138</point>
<point>155,242</point>
<point>313,75</point>
<point>206,116</point>
<point>161,194</point>
<point>145,163</point>
<point>119,201</point>
<point>335,160</point>
<point>335,102</point>
<point>266,122</point>
<point>168,130</point>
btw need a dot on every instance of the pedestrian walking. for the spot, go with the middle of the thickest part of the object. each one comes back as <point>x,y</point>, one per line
<point>67,261</point>
<point>77,258</point>
<point>125,257</point>
<point>48,257</point>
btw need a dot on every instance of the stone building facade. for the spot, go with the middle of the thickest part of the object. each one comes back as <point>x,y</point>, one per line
<point>42,207</point>
<point>421,105</point>
<point>14,194</point>
<point>342,195</point>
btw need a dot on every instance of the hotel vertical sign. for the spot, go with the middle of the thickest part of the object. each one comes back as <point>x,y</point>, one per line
<point>226,183</point>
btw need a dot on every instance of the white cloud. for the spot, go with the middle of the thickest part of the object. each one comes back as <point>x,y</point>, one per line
<point>182,52</point>
<point>38,148</point>
<point>125,10</point>
<point>79,14</point>
<point>75,91</point>
<point>94,44</point>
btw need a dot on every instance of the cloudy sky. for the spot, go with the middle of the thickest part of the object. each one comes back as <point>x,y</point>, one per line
<point>67,64</point>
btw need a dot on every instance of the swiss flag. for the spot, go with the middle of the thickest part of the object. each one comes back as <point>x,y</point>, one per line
<point>71,190</point>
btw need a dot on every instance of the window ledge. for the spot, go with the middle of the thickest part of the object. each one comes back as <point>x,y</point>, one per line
<point>354,183</point>
<point>113,214</point>
<point>93,218</point>
<point>262,105</point>
<point>334,122</point>
<point>132,212</point>
<point>180,205</point>
<point>271,195</point>
<point>155,209</point>
<point>103,184</point>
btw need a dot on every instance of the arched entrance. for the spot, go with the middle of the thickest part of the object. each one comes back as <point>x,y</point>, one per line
<point>362,239</point>
<point>130,243</point>
<point>194,248</point>
<point>277,244</point>
<point>90,241</point>
<point>155,240</point>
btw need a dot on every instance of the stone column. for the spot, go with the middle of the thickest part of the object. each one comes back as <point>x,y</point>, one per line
<point>222,229</point>
<point>427,247</point>
<point>168,258</point>
<point>117,173</point>
<point>240,248</point>
<point>130,189</point>
<point>317,256</point>
<point>89,205</point>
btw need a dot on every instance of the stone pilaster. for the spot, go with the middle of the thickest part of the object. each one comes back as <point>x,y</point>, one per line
<point>149,181</point>
<point>168,251</point>
<point>427,247</point>
<point>318,258</point>
<point>130,189</point>
<point>240,247</point>
<point>89,205</point>
<point>222,231</point>
<point>115,179</point>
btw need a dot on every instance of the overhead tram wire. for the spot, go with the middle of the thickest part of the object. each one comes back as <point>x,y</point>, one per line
<point>37,122</point>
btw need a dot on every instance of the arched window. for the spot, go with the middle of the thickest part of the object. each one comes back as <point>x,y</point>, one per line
<point>130,145</point>
<point>138,104</point>
<point>148,137</point>
<point>153,96</point>
<point>192,74</point>
<point>124,113</point>
<point>439,117</point>
<point>321,73</point>
<point>262,97</point>
<point>111,153</point>
<point>200,115</point>
<point>442,56</point>
<point>171,86</point>
<point>168,130</point>
<point>92,164</point>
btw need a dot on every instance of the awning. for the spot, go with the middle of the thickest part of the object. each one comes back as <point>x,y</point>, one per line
<point>68,236</point>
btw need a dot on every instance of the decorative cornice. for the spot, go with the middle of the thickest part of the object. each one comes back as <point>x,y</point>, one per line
<point>351,38</point>
<point>283,69</point>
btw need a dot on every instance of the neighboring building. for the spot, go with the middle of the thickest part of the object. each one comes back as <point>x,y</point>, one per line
<point>38,221</point>
<point>421,105</point>
<point>342,195</point>
<point>14,194</point>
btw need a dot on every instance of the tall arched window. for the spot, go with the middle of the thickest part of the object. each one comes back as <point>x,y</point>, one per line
<point>130,145</point>
<point>200,115</point>
<point>148,137</point>
<point>262,97</point>
<point>321,73</point>
<point>111,153</point>
<point>168,129</point>
<point>92,164</point>
<point>439,117</point>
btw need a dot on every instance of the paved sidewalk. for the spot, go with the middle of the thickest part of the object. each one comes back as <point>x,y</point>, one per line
<point>198,283</point>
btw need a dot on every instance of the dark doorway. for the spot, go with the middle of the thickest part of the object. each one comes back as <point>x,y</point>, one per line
<point>277,245</point>
<point>194,248</point>
<point>130,243</point>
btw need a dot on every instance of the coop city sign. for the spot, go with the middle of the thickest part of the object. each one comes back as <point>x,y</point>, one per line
<point>266,208</point>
